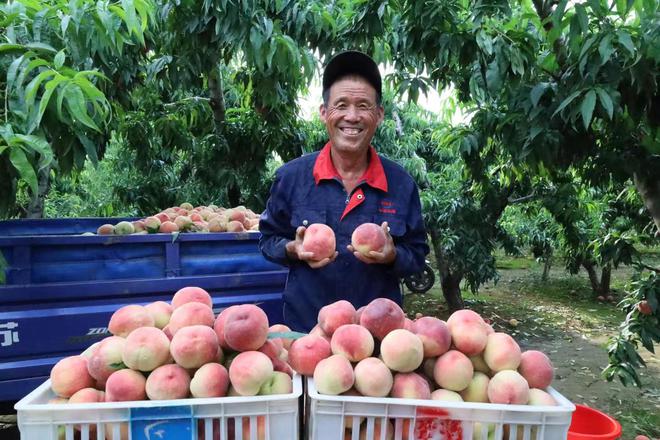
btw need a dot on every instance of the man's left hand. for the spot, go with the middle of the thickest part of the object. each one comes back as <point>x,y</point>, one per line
<point>386,256</point>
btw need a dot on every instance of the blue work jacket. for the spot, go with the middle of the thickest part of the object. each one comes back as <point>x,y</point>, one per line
<point>309,190</point>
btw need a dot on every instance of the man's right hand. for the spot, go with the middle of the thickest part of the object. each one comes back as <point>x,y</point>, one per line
<point>295,251</point>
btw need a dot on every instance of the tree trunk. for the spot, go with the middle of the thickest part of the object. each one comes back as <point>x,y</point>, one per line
<point>217,101</point>
<point>649,190</point>
<point>450,283</point>
<point>593,276</point>
<point>606,276</point>
<point>36,207</point>
<point>547,263</point>
<point>600,287</point>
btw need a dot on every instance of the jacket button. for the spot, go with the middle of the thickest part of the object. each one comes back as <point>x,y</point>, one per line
<point>305,222</point>
<point>360,197</point>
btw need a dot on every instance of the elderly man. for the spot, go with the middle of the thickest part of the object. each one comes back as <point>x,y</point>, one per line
<point>343,186</point>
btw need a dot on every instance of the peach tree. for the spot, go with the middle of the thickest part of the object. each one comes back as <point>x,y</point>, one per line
<point>60,62</point>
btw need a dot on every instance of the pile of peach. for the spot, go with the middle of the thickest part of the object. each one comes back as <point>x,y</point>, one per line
<point>185,218</point>
<point>176,351</point>
<point>377,351</point>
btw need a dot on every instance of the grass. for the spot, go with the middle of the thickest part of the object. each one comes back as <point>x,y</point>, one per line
<point>533,310</point>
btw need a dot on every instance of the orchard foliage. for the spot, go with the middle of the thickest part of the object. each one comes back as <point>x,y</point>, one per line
<point>200,99</point>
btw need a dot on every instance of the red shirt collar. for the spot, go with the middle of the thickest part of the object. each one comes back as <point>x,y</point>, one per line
<point>374,175</point>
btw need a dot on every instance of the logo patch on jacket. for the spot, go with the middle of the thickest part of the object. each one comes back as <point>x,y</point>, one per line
<point>386,207</point>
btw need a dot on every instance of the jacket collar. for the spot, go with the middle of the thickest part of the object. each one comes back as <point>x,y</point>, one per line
<point>374,175</point>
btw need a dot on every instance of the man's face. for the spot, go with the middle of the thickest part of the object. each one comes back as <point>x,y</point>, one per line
<point>351,114</point>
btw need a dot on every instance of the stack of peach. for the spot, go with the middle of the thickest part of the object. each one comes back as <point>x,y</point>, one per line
<point>186,218</point>
<point>176,351</point>
<point>377,351</point>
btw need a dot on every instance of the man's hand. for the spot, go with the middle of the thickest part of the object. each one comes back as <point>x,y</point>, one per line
<point>295,251</point>
<point>386,256</point>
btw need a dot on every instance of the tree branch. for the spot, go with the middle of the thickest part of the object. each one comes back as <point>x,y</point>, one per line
<point>522,199</point>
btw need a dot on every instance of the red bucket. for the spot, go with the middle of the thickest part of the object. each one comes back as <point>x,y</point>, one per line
<point>591,424</point>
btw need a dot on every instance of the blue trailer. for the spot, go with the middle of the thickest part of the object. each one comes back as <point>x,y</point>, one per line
<point>62,287</point>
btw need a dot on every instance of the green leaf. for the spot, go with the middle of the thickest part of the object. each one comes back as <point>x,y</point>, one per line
<point>558,13</point>
<point>626,41</point>
<point>605,101</point>
<point>582,17</point>
<point>51,86</point>
<point>41,47</point>
<point>24,168</point>
<point>567,101</point>
<point>537,92</point>
<point>59,59</point>
<point>605,48</point>
<point>587,108</point>
<point>484,42</point>
<point>75,100</point>
<point>41,146</point>
<point>33,87</point>
<point>9,47</point>
<point>622,8</point>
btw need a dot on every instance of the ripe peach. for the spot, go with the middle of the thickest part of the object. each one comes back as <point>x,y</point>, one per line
<point>152,224</point>
<point>271,349</point>
<point>479,364</point>
<point>333,316</point>
<point>278,383</point>
<point>281,328</point>
<point>245,327</point>
<point>477,389</point>
<point>161,312</point>
<point>502,352</point>
<point>469,331</point>
<point>145,349</point>
<point>219,326</point>
<point>191,294</point>
<point>186,205</point>
<point>106,359</point>
<point>167,227</point>
<point>125,385</point>
<point>183,222</point>
<point>106,229</point>
<point>192,313</point>
<point>194,346</point>
<point>453,371</point>
<point>70,375</point>
<point>536,368</point>
<point>234,226</point>
<point>319,239</point>
<point>249,371</point>
<point>410,386</point>
<point>305,353</point>
<point>368,237</point>
<point>168,382</point>
<point>381,316</point>
<point>540,397</point>
<point>334,375</point>
<point>644,307</point>
<point>87,395</point>
<point>446,395</point>
<point>352,341</point>
<point>373,378</point>
<point>508,386</point>
<point>317,331</point>
<point>217,224</point>
<point>402,351</point>
<point>434,334</point>
<point>469,338</point>
<point>124,228</point>
<point>128,318</point>
<point>210,380</point>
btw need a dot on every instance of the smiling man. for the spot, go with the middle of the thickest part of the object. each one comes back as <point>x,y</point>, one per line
<point>343,186</point>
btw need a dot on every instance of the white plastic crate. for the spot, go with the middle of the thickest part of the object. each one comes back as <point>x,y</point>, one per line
<point>274,417</point>
<point>328,418</point>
